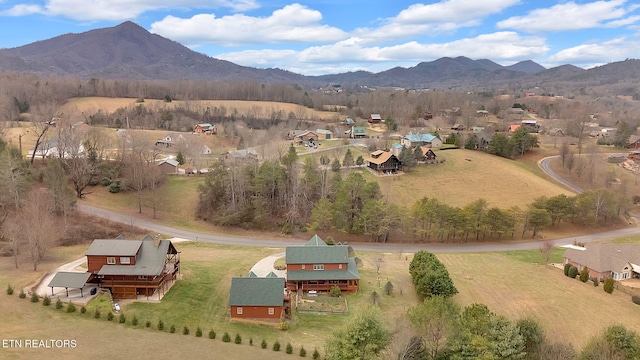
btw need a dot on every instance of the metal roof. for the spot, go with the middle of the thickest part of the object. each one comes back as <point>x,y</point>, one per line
<point>150,260</point>
<point>334,254</point>
<point>249,291</point>
<point>315,241</point>
<point>114,247</point>
<point>69,279</point>
<point>420,137</point>
<point>351,273</point>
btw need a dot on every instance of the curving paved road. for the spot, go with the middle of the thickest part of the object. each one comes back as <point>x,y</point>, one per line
<point>544,165</point>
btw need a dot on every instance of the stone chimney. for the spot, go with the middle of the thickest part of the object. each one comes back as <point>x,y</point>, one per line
<point>156,240</point>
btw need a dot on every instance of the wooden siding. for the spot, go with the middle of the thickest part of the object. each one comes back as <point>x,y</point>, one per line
<point>323,285</point>
<point>256,312</point>
<point>95,262</point>
<point>310,266</point>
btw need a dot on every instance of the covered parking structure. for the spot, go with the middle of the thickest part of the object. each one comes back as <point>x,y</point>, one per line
<point>74,280</point>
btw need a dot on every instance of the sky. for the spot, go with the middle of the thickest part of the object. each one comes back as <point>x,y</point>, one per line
<point>335,36</point>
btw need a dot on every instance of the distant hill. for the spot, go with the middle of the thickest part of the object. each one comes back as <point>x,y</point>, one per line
<point>128,51</point>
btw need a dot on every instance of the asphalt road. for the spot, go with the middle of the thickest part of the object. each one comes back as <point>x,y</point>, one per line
<point>393,247</point>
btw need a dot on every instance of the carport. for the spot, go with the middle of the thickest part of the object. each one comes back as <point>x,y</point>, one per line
<point>74,280</point>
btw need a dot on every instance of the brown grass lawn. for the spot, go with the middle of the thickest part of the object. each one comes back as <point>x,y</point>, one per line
<point>569,310</point>
<point>258,108</point>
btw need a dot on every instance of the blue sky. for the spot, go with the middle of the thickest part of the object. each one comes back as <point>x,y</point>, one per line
<point>332,36</point>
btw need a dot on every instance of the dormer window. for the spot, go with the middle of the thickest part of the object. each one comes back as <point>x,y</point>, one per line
<point>318,267</point>
<point>111,260</point>
<point>125,260</point>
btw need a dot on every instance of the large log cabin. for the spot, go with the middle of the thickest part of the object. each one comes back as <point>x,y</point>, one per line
<point>129,268</point>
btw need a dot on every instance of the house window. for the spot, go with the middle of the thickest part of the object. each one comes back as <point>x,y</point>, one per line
<point>318,267</point>
<point>142,277</point>
<point>302,266</point>
<point>125,260</point>
<point>339,266</point>
<point>271,311</point>
<point>111,260</point>
<point>239,310</point>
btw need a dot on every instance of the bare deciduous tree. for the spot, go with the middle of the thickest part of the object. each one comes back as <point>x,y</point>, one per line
<point>38,224</point>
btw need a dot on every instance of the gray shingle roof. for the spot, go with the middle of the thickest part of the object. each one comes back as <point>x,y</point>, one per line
<point>69,279</point>
<point>150,260</point>
<point>114,247</point>
<point>604,257</point>
<point>334,254</point>
<point>249,291</point>
<point>351,273</point>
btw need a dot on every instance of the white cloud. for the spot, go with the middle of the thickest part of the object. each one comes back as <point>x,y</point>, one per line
<point>293,23</point>
<point>118,10</point>
<point>568,16</point>
<point>589,55</point>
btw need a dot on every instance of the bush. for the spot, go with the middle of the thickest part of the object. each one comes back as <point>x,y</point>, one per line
<point>122,319</point>
<point>226,337</point>
<point>198,332</point>
<point>106,181</point>
<point>59,305</point>
<point>71,308</point>
<point>147,324</point>
<point>573,272</point>
<point>212,334</point>
<point>160,325</point>
<point>283,326</point>
<point>83,310</point>
<point>595,282</point>
<point>238,339</point>
<point>303,352</point>
<point>289,348</point>
<point>46,301</point>
<point>635,299</point>
<point>316,354</point>
<point>22,295</point>
<point>110,316</point>
<point>608,285</point>
<point>567,266</point>
<point>9,290</point>
<point>335,291</point>
<point>134,321</point>
<point>276,346</point>
<point>584,274</point>
<point>172,329</point>
<point>114,187</point>
<point>263,344</point>
<point>185,330</point>
<point>34,298</point>
<point>95,314</point>
<point>250,341</point>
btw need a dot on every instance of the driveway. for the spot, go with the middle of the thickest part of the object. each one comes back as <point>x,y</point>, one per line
<point>263,267</point>
<point>75,295</point>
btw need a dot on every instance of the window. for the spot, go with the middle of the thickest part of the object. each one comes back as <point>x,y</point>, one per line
<point>339,266</point>
<point>239,310</point>
<point>318,267</point>
<point>271,311</point>
<point>142,277</point>
<point>302,266</point>
<point>111,260</point>
<point>125,260</point>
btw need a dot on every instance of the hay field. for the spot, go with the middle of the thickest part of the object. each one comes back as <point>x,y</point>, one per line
<point>90,105</point>
<point>501,182</point>
<point>569,310</point>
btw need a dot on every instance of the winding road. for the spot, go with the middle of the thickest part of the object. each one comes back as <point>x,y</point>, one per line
<point>388,247</point>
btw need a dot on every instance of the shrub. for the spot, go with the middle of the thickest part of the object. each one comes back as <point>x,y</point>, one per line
<point>46,301</point>
<point>22,295</point>
<point>335,291</point>
<point>283,326</point>
<point>635,299</point>
<point>388,288</point>
<point>110,316</point>
<point>59,305</point>
<point>289,348</point>
<point>172,329</point>
<point>114,187</point>
<point>276,346</point>
<point>595,282</point>
<point>226,337</point>
<point>134,321</point>
<point>573,272</point>
<point>95,314</point>
<point>185,330</point>
<point>584,274</point>
<point>567,266</point>
<point>303,352</point>
<point>71,308</point>
<point>9,290</point>
<point>250,341</point>
<point>263,344</point>
<point>160,325</point>
<point>238,339</point>
<point>122,319</point>
<point>106,181</point>
<point>316,354</point>
<point>147,324</point>
<point>212,334</point>
<point>608,285</point>
<point>198,332</point>
<point>34,298</point>
<point>83,310</point>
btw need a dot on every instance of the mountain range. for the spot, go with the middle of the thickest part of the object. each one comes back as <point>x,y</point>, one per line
<point>128,51</point>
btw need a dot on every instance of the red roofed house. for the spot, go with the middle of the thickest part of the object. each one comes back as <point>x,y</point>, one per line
<point>129,268</point>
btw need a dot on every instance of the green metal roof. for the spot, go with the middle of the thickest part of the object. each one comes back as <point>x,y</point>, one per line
<point>69,279</point>
<point>315,241</point>
<point>351,273</point>
<point>272,275</point>
<point>251,274</point>
<point>248,291</point>
<point>114,247</point>
<point>150,260</point>
<point>334,254</point>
